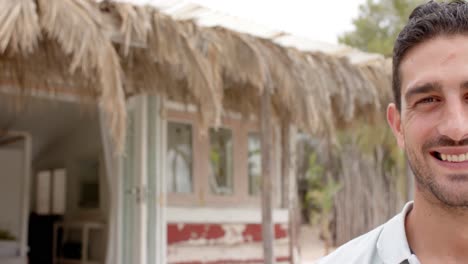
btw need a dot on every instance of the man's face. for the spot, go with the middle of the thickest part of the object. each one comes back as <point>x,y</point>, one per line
<point>432,126</point>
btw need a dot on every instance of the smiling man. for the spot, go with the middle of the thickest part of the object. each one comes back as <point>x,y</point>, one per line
<point>429,119</point>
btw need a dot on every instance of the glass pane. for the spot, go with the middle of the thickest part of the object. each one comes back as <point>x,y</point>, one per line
<point>88,177</point>
<point>254,163</point>
<point>221,159</point>
<point>179,157</point>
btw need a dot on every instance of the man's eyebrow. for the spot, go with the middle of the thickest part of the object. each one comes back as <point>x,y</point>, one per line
<point>464,85</point>
<point>425,88</point>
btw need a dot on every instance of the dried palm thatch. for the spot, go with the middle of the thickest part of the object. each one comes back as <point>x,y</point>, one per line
<point>19,26</point>
<point>111,50</point>
<point>78,28</point>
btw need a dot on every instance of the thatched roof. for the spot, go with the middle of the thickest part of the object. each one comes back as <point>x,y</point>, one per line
<point>111,50</point>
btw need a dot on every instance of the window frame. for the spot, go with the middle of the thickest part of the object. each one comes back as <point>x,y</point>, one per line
<point>237,184</point>
<point>192,155</point>
<point>176,198</point>
<point>202,194</point>
<point>234,148</point>
<point>249,132</point>
<point>252,126</point>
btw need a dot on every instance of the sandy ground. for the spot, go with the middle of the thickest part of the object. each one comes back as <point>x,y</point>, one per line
<point>312,248</point>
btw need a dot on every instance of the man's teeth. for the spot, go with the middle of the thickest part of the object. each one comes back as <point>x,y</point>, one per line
<point>454,158</point>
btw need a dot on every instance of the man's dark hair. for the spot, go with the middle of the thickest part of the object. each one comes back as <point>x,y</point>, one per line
<point>427,21</point>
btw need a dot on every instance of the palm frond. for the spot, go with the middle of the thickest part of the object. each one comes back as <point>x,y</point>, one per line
<point>19,27</point>
<point>214,68</point>
<point>78,28</point>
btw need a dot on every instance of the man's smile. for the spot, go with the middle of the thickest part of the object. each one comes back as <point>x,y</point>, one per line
<point>451,157</point>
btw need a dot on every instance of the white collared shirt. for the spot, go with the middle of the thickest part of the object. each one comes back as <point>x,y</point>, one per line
<point>386,244</point>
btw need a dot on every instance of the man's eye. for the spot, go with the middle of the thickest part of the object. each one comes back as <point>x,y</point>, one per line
<point>427,100</point>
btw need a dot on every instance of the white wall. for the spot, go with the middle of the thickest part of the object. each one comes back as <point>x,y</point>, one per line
<point>81,144</point>
<point>11,179</point>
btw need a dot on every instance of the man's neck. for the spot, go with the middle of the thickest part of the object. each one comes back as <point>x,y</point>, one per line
<point>437,234</point>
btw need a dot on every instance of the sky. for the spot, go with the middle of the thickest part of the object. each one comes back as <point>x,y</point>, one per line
<point>321,20</point>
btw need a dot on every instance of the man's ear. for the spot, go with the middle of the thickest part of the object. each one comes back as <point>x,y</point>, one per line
<point>394,120</point>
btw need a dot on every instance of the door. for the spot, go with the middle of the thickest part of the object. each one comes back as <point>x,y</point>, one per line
<point>133,186</point>
<point>157,145</point>
<point>143,228</point>
<point>15,164</point>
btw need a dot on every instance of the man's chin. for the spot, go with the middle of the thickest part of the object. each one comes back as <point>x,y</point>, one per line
<point>441,182</point>
<point>451,191</point>
<point>454,179</point>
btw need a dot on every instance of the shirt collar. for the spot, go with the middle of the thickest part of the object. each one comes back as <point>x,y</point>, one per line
<point>392,244</point>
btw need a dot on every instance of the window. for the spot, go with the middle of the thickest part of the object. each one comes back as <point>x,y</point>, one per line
<point>254,163</point>
<point>221,160</point>
<point>179,158</point>
<point>88,183</point>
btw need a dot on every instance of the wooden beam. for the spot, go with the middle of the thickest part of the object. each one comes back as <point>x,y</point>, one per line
<point>268,235</point>
<point>285,166</point>
<point>290,181</point>
<point>285,162</point>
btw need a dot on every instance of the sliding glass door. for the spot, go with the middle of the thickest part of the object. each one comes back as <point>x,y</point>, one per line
<point>143,226</point>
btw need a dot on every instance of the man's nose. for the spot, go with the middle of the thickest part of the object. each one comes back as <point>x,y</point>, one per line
<point>454,123</point>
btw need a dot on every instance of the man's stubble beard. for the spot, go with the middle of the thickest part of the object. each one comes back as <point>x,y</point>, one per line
<point>426,182</point>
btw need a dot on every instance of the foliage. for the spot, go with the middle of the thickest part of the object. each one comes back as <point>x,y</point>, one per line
<point>370,136</point>
<point>363,175</point>
<point>320,198</point>
<point>378,25</point>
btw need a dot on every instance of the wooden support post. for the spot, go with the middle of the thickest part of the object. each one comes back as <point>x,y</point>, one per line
<point>285,175</point>
<point>289,179</point>
<point>285,163</point>
<point>268,235</point>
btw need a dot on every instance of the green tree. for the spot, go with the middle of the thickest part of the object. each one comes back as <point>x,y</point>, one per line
<point>378,24</point>
<point>319,198</point>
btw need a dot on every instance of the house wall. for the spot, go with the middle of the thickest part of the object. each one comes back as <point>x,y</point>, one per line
<point>202,195</point>
<point>228,235</point>
<point>208,228</point>
<point>11,196</point>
